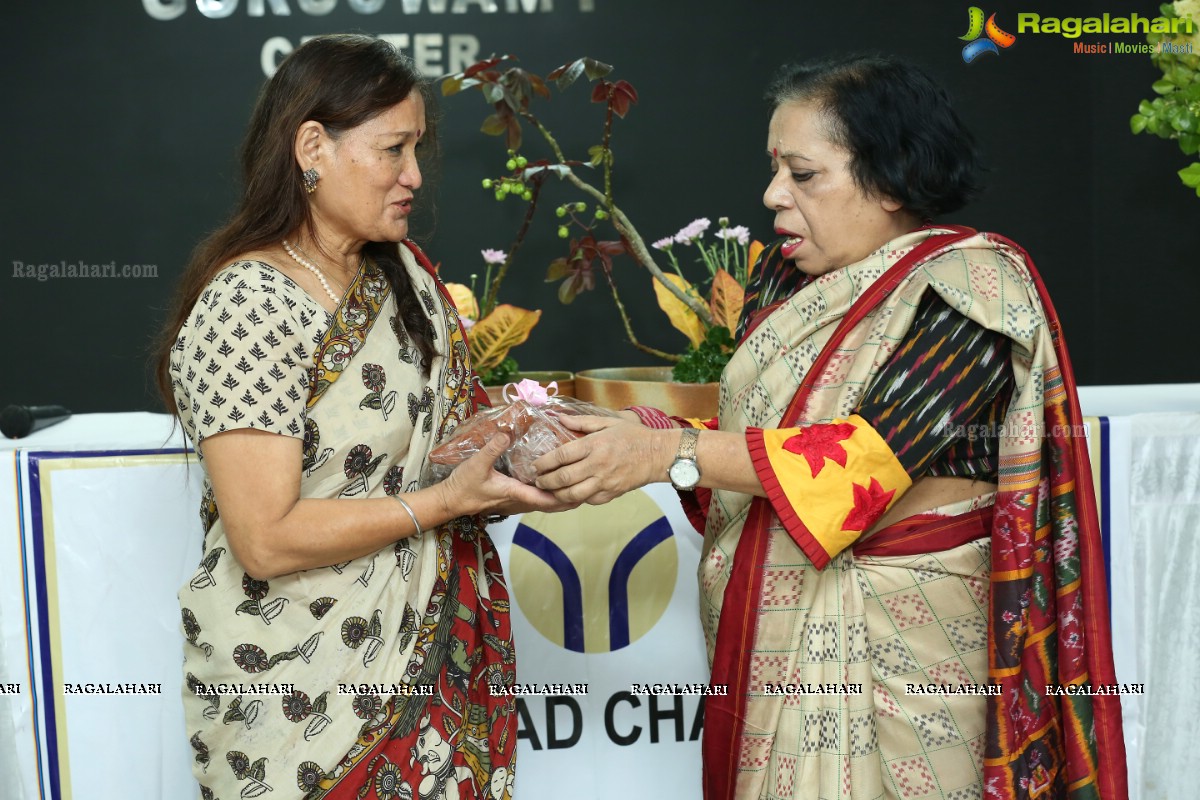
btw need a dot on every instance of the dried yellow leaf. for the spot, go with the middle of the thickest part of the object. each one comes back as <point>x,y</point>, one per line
<point>756,248</point>
<point>727,300</point>
<point>493,336</point>
<point>682,318</point>
<point>464,300</point>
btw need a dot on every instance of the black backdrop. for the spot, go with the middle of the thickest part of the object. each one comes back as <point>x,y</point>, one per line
<point>121,131</point>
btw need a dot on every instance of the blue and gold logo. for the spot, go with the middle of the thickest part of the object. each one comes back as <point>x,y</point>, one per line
<point>599,578</point>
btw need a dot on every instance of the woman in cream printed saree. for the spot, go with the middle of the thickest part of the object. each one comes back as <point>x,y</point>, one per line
<point>345,624</point>
<point>901,557</point>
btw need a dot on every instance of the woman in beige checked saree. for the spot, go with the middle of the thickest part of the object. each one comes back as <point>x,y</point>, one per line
<point>901,552</point>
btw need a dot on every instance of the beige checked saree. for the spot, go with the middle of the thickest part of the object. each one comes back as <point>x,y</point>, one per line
<point>858,673</point>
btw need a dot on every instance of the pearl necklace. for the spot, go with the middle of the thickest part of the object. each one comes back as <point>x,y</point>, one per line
<point>314,269</point>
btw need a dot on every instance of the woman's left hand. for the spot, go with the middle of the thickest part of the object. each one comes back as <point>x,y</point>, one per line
<point>615,457</point>
<point>475,487</point>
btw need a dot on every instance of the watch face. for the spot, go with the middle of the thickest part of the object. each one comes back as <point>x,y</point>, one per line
<point>684,473</point>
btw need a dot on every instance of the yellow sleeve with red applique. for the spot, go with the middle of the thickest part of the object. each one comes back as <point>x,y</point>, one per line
<point>828,483</point>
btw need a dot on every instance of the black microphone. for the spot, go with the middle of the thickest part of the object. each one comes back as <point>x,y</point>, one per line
<point>20,421</point>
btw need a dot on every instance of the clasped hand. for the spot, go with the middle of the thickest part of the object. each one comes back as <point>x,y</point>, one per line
<point>614,457</point>
<point>475,487</point>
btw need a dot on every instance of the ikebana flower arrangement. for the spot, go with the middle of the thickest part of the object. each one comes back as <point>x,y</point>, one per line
<point>706,311</point>
<point>492,329</point>
<point>1175,113</point>
<point>728,261</point>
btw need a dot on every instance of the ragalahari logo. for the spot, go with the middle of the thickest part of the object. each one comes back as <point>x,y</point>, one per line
<point>976,27</point>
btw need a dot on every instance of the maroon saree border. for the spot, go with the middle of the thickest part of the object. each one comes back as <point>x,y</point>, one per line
<point>1111,767</point>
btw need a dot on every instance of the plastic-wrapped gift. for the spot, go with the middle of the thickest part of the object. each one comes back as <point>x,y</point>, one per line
<point>530,418</point>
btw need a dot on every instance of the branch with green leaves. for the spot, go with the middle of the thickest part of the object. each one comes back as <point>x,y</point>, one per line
<point>1175,112</point>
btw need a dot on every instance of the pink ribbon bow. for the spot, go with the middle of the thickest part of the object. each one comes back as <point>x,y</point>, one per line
<point>530,391</point>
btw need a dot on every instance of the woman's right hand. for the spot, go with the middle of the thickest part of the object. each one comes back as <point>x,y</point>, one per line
<point>273,531</point>
<point>610,457</point>
<point>475,487</point>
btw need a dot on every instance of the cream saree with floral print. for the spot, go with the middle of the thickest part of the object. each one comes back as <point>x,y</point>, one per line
<point>291,682</point>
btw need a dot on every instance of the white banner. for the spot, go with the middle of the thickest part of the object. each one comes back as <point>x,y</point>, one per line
<point>92,633</point>
<point>606,596</point>
<point>94,544</point>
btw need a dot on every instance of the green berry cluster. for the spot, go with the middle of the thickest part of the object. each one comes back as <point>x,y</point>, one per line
<point>576,208</point>
<point>509,184</point>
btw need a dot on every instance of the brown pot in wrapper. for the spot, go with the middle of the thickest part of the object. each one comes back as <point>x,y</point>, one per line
<point>533,428</point>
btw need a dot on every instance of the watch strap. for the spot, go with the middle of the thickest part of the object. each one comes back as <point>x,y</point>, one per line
<point>687,444</point>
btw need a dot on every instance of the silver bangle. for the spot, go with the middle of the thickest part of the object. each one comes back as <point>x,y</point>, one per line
<point>411,515</point>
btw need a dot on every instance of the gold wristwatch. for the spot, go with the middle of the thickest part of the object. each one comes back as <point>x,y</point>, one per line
<point>684,472</point>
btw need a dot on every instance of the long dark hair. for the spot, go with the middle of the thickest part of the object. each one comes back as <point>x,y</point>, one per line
<point>905,140</point>
<point>339,81</point>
